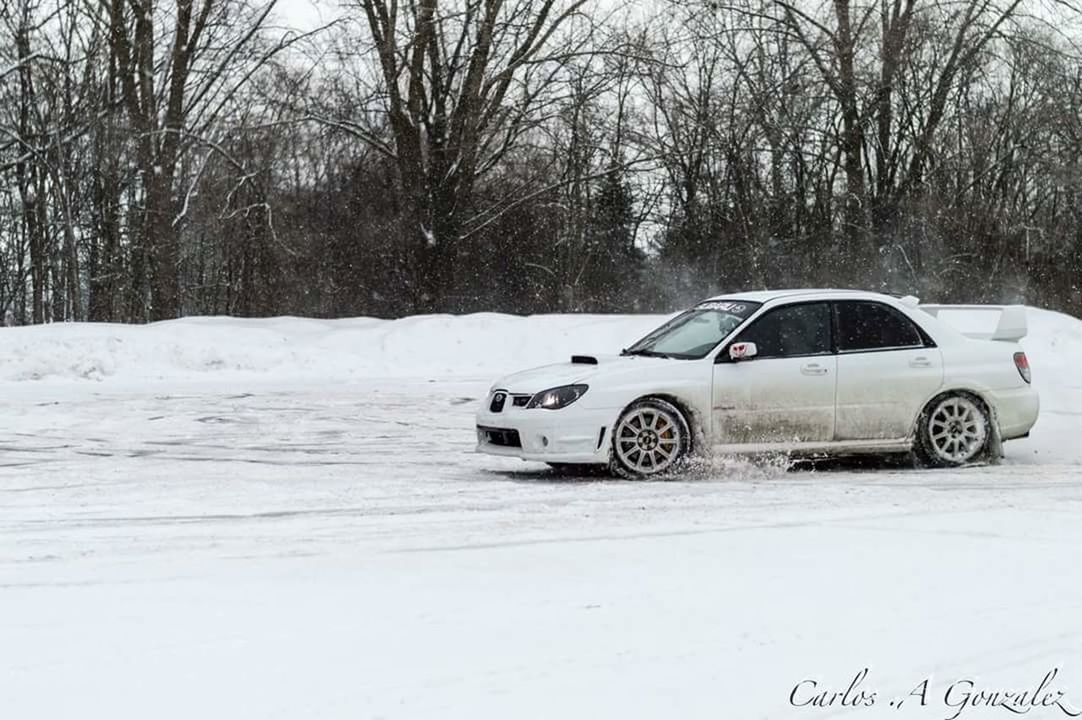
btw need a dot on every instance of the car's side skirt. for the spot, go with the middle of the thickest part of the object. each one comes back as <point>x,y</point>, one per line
<point>842,447</point>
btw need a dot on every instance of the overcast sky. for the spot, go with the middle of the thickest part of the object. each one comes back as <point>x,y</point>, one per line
<point>307,14</point>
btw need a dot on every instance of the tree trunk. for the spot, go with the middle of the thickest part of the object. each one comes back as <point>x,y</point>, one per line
<point>857,258</point>
<point>161,240</point>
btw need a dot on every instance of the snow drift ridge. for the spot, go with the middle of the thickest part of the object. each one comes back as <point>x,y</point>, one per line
<point>295,349</point>
<point>290,349</point>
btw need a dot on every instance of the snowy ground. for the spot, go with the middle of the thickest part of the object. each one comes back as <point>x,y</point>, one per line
<point>254,527</point>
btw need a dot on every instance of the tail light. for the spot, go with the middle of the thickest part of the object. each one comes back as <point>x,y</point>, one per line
<point>1022,363</point>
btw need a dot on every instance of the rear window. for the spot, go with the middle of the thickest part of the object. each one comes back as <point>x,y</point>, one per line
<point>874,326</point>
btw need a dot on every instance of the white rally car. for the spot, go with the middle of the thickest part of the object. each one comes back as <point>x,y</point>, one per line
<point>806,372</point>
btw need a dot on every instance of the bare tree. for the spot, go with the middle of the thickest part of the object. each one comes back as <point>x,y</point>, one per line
<point>178,68</point>
<point>461,82</point>
<point>848,39</point>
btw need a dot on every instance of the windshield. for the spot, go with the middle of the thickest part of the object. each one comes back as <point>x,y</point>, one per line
<point>692,334</point>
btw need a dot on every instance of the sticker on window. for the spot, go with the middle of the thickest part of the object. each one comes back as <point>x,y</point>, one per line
<point>735,308</point>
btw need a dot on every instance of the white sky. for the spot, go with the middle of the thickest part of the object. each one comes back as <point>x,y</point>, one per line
<point>308,14</point>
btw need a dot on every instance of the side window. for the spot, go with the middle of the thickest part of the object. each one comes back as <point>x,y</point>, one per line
<point>873,326</point>
<point>791,331</point>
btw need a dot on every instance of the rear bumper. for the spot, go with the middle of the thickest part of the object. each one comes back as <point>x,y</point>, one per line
<point>1016,411</point>
<point>559,436</point>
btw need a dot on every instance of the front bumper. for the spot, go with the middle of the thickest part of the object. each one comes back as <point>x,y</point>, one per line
<point>571,435</point>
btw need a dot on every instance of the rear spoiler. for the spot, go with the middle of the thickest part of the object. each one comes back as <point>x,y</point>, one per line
<point>1010,325</point>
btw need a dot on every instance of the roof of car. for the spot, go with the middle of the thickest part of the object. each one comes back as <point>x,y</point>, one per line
<point>764,296</point>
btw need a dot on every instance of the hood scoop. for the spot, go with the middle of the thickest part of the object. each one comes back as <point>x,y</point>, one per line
<point>583,360</point>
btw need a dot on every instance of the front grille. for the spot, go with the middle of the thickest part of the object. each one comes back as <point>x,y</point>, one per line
<point>520,400</point>
<point>499,436</point>
<point>498,399</point>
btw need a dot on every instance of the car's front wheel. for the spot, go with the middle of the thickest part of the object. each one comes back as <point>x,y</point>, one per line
<point>650,437</point>
<point>953,430</point>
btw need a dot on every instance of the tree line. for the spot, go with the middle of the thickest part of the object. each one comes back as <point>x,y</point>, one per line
<point>161,158</point>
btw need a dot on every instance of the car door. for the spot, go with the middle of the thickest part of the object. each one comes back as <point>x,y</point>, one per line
<point>887,369</point>
<point>785,394</point>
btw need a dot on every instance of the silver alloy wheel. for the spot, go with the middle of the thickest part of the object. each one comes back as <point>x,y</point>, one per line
<point>957,429</point>
<point>648,440</point>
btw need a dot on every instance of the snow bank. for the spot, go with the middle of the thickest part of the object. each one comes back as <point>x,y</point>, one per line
<point>1054,347</point>
<point>295,349</point>
<point>285,349</point>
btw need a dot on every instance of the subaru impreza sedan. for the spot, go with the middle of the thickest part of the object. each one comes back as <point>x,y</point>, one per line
<point>803,372</point>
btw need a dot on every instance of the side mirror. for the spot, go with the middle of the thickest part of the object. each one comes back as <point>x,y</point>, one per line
<point>742,351</point>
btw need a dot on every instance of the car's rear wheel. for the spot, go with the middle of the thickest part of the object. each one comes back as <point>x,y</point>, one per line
<point>650,438</point>
<point>954,429</point>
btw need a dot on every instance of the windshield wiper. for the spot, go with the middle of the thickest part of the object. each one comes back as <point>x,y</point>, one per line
<point>644,353</point>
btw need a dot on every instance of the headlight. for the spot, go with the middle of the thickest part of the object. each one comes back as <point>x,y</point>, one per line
<point>558,397</point>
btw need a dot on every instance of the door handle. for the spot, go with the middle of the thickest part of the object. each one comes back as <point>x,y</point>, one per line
<point>920,362</point>
<point>813,369</point>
